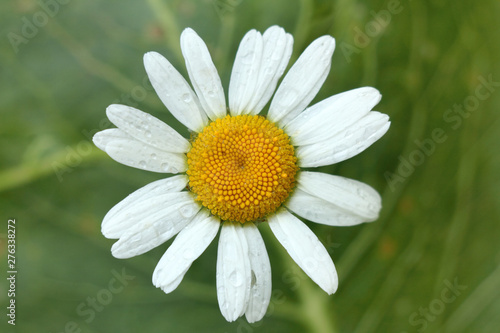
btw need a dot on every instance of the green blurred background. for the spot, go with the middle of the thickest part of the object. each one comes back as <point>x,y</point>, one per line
<point>436,168</point>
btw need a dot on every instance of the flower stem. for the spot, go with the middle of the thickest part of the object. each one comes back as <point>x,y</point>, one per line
<point>315,307</point>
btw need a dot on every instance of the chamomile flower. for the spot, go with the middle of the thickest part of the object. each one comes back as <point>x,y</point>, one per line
<point>239,168</point>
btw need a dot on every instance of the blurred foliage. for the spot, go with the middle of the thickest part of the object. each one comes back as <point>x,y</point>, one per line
<point>439,222</point>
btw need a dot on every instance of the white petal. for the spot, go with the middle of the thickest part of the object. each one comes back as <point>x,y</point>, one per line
<point>203,74</point>
<point>260,289</point>
<point>189,244</point>
<point>332,115</point>
<point>156,221</point>
<point>175,283</point>
<point>305,249</point>
<point>349,195</point>
<point>345,144</point>
<point>124,215</point>
<point>320,211</point>
<point>303,81</point>
<point>146,128</point>
<point>276,53</point>
<point>245,72</point>
<point>175,92</point>
<point>129,151</point>
<point>233,271</point>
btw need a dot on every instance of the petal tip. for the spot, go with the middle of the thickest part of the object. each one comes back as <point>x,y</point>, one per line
<point>117,251</point>
<point>112,110</point>
<point>98,141</point>
<point>151,57</point>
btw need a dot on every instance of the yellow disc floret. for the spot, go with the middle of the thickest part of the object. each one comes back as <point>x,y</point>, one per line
<point>241,168</point>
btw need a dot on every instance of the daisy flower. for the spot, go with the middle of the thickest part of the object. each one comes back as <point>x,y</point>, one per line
<point>239,168</point>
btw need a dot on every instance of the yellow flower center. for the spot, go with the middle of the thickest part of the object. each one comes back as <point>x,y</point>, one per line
<point>241,168</point>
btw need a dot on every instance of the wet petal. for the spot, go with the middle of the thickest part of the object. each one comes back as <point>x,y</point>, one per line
<point>305,249</point>
<point>156,221</point>
<point>245,73</point>
<point>351,196</point>
<point>146,128</point>
<point>203,74</point>
<point>332,115</point>
<point>189,244</point>
<point>233,271</point>
<point>125,214</point>
<point>345,144</point>
<point>303,81</point>
<point>260,289</point>
<point>275,55</point>
<point>129,151</point>
<point>175,92</point>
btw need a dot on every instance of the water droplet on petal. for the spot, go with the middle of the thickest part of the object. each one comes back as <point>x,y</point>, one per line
<point>142,164</point>
<point>186,98</point>
<point>136,238</point>
<point>187,210</point>
<point>222,301</point>
<point>247,58</point>
<point>153,156</point>
<point>361,193</point>
<point>236,278</point>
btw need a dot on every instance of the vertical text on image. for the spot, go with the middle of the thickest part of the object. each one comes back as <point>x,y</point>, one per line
<point>11,271</point>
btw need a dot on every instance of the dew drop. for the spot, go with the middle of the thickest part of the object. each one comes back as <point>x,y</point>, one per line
<point>148,134</point>
<point>247,58</point>
<point>142,164</point>
<point>153,156</point>
<point>236,279</point>
<point>221,291</point>
<point>361,193</point>
<point>136,238</point>
<point>167,228</point>
<point>211,94</point>
<point>186,98</point>
<point>187,211</point>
